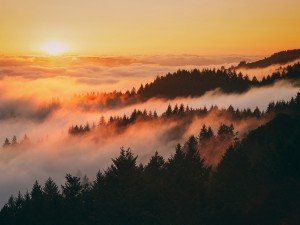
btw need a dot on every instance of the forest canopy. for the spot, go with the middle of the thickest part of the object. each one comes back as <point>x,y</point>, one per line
<point>256,182</point>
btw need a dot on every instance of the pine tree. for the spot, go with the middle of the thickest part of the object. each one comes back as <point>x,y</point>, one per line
<point>19,202</point>
<point>50,190</point>
<point>203,135</point>
<point>72,188</point>
<point>36,193</point>
<point>86,184</point>
<point>155,165</point>
<point>175,110</point>
<point>210,133</point>
<point>6,143</point>
<point>25,140</point>
<point>181,110</point>
<point>125,163</point>
<point>14,140</point>
<point>99,181</point>
<point>101,121</point>
<point>168,112</point>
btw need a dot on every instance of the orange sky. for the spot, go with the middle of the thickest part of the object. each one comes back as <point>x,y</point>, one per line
<point>118,27</point>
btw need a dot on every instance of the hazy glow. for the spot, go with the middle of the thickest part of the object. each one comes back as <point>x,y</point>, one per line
<point>151,26</point>
<point>54,48</point>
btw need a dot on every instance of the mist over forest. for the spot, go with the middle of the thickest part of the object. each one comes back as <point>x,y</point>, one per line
<point>150,140</point>
<point>149,112</point>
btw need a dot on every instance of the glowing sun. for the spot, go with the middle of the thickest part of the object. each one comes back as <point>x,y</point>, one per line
<point>54,48</point>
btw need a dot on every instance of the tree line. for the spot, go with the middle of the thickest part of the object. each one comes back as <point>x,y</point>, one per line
<point>183,112</point>
<point>184,83</point>
<point>256,182</point>
<point>280,58</point>
<point>120,123</point>
<point>15,143</point>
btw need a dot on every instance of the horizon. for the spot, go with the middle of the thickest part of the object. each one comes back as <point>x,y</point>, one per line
<point>148,28</point>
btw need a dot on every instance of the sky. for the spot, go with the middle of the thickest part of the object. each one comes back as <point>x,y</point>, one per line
<point>145,27</point>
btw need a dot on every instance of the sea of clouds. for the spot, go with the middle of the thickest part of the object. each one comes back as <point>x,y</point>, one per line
<point>29,87</point>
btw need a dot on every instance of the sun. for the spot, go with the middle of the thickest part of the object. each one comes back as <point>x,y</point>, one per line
<point>54,48</point>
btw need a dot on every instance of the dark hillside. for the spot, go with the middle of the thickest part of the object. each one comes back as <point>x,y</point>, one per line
<point>277,58</point>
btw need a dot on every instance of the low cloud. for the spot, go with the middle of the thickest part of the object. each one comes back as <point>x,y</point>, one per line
<point>105,72</point>
<point>259,73</point>
<point>36,99</point>
<point>53,152</point>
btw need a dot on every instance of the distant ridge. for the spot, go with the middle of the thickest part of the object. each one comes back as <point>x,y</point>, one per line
<point>282,57</point>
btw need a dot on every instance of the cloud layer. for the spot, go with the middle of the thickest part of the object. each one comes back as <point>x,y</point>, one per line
<point>28,105</point>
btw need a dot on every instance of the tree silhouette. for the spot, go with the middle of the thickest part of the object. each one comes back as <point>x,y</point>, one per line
<point>14,140</point>
<point>256,182</point>
<point>6,143</point>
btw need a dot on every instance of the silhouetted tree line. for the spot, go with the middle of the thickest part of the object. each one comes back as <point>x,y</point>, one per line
<point>256,182</point>
<point>181,112</point>
<point>79,130</point>
<point>196,83</point>
<point>185,83</point>
<point>282,57</point>
<point>115,122</point>
<point>176,113</point>
<point>14,142</point>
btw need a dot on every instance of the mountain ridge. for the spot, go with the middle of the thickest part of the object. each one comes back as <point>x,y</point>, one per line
<point>280,58</point>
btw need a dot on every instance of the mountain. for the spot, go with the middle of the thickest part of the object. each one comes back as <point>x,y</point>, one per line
<point>280,58</point>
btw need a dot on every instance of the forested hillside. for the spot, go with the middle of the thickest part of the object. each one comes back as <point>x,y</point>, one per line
<point>185,83</point>
<point>256,182</point>
<point>280,58</point>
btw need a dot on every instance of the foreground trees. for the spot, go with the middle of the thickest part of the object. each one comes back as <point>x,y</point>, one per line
<point>256,182</point>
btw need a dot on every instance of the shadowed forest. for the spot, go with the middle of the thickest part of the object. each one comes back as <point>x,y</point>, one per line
<point>256,182</point>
